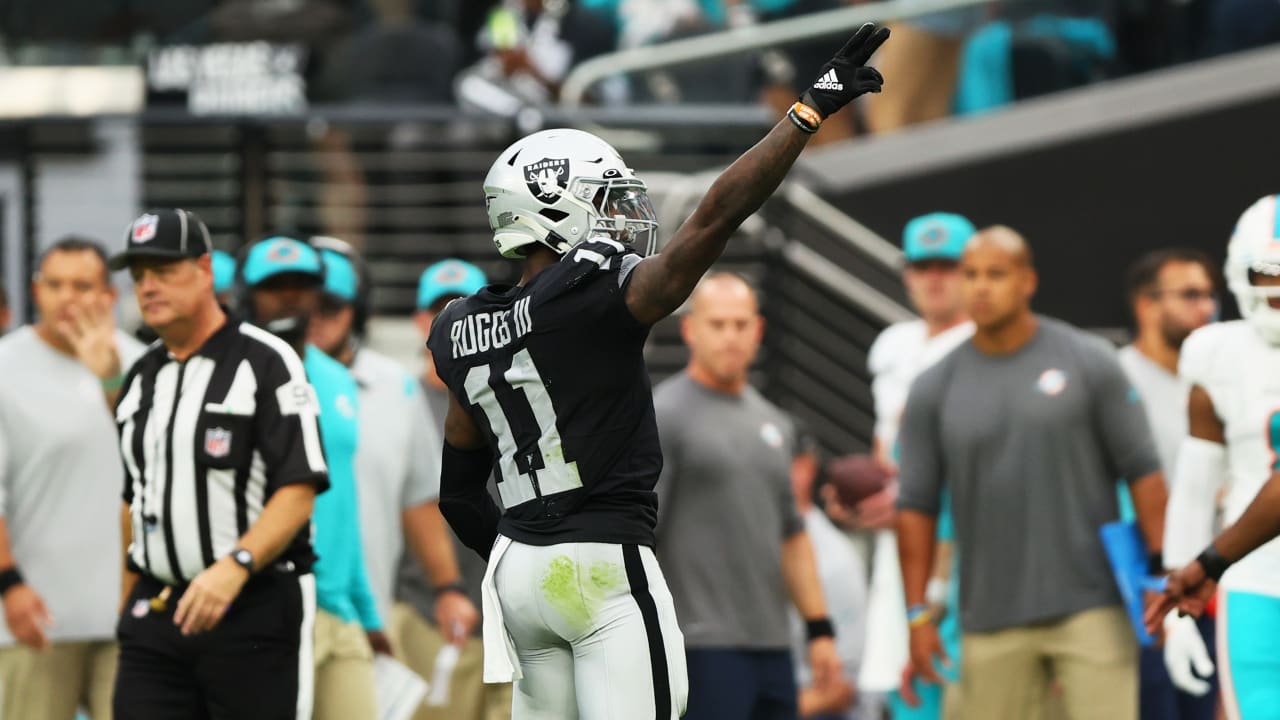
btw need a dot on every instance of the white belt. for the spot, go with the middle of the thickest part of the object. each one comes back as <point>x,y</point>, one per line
<point>501,663</point>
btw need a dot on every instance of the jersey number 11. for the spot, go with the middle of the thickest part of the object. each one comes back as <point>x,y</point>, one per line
<point>545,472</point>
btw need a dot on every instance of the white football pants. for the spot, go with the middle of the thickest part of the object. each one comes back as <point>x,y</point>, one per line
<point>594,628</point>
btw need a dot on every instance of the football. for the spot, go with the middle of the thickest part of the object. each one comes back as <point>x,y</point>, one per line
<point>856,478</point>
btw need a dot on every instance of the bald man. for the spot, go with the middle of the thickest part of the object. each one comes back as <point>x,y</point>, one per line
<point>1029,424</point>
<point>726,516</point>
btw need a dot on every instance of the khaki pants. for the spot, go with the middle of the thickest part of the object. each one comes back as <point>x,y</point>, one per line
<point>51,685</point>
<point>344,670</point>
<point>1006,675</point>
<point>417,642</point>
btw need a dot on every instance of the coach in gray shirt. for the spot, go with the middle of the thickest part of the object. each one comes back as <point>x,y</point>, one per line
<point>60,477</point>
<point>730,541</point>
<point>1029,425</point>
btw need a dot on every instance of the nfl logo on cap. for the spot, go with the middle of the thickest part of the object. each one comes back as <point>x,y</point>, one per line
<point>144,228</point>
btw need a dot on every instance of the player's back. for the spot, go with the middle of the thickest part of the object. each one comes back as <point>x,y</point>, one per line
<point>1237,368</point>
<point>553,372</point>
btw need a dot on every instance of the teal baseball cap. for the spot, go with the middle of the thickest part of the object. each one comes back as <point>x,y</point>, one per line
<point>224,271</point>
<point>279,255</point>
<point>340,279</point>
<point>449,277</point>
<point>936,236</point>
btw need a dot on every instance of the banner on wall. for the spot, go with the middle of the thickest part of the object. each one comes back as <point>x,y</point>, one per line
<point>249,78</point>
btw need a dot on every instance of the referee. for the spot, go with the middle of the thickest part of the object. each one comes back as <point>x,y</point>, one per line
<point>223,461</point>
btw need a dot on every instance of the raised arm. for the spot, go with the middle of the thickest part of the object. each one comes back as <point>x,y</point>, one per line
<point>661,283</point>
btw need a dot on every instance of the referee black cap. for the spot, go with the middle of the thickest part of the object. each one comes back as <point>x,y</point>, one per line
<point>173,234</point>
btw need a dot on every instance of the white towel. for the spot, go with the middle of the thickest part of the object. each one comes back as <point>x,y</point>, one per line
<point>501,664</point>
<point>885,652</point>
<point>398,689</point>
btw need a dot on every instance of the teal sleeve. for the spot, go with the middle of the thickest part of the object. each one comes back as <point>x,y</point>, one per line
<point>946,527</point>
<point>1125,500</point>
<point>361,591</point>
<point>342,582</point>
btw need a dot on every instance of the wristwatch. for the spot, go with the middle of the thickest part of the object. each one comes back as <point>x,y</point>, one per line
<point>457,587</point>
<point>243,558</point>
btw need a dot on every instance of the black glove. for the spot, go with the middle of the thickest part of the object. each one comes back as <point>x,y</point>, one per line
<point>844,77</point>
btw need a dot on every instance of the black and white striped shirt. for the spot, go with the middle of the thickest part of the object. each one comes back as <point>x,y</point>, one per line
<point>207,441</point>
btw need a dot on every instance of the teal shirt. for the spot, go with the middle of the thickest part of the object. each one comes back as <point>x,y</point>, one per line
<point>342,584</point>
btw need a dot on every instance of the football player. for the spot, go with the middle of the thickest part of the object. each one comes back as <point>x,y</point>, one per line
<point>1234,424</point>
<point>548,384</point>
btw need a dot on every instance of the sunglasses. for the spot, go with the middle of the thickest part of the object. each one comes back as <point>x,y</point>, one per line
<point>1188,295</point>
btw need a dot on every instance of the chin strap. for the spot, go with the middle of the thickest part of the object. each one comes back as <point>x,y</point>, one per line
<point>523,232</point>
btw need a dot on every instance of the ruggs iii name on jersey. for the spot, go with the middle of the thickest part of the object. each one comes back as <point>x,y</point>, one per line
<point>480,332</point>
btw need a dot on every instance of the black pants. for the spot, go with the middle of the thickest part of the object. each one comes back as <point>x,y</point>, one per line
<point>728,684</point>
<point>1159,699</point>
<point>246,668</point>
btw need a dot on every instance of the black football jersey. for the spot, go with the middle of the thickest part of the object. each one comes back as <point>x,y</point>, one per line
<point>554,373</point>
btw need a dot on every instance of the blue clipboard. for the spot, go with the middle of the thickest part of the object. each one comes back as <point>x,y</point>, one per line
<point>1127,554</point>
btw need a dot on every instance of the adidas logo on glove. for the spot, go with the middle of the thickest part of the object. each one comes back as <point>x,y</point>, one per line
<point>829,81</point>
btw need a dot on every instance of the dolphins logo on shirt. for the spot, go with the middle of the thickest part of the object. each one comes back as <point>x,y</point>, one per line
<point>771,435</point>
<point>1052,382</point>
<point>345,407</point>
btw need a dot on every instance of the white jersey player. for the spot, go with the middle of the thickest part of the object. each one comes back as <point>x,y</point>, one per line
<point>932,245</point>
<point>899,354</point>
<point>1233,370</point>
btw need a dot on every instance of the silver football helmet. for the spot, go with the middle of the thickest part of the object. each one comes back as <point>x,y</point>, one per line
<point>560,187</point>
<point>1255,250</point>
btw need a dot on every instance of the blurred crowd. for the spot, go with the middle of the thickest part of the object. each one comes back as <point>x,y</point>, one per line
<point>423,51</point>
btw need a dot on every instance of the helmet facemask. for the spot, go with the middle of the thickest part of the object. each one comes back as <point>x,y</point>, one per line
<point>1253,265</point>
<point>622,211</point>
<point>1258,302</point>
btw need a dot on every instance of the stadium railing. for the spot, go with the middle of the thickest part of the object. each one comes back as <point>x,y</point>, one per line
<point>828,286</point>
<point>744,39</point>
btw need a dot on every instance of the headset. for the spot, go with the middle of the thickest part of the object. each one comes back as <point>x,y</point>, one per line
<point>364,278</point>
<point>241,292</point>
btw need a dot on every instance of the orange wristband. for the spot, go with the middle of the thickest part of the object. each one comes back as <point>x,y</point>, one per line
<point>805,117</point>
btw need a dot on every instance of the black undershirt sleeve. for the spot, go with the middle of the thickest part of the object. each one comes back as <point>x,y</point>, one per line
<point>464,497</point>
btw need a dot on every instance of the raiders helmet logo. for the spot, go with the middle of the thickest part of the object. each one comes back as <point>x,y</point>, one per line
<point>547,178</point>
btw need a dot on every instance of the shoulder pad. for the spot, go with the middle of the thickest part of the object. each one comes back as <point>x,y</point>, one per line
<point>887,347</point>
<point>1200,358</point>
